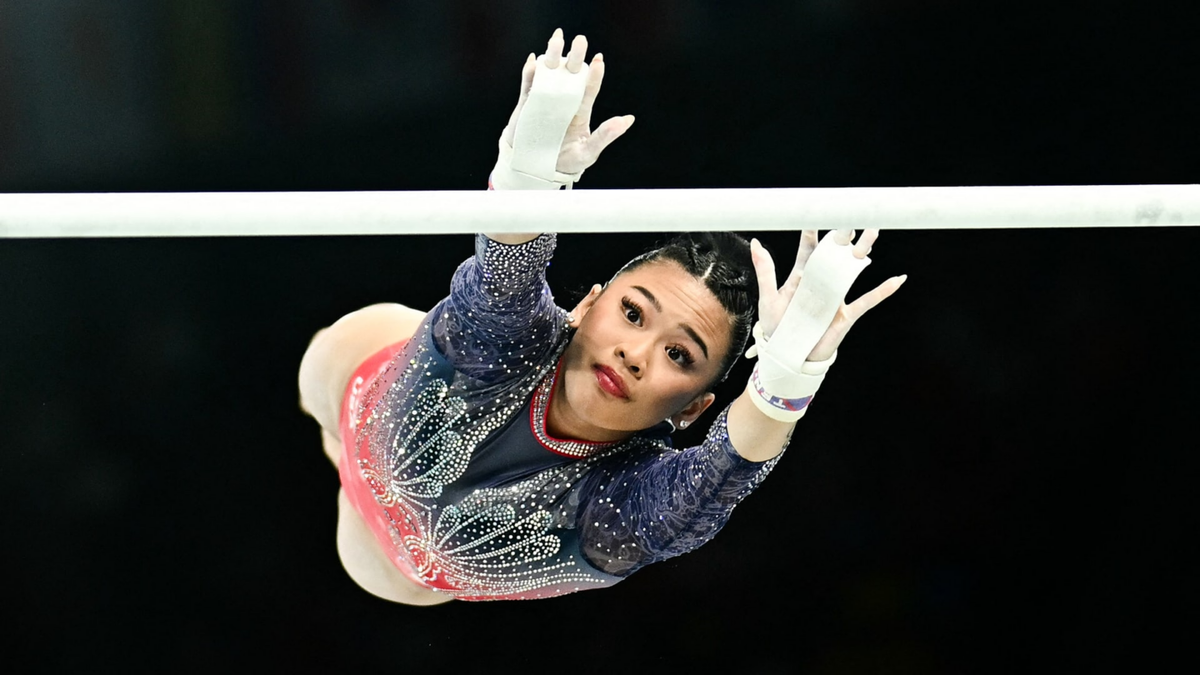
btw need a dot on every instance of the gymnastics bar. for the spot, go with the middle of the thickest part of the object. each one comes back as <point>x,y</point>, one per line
<point>242,214</point>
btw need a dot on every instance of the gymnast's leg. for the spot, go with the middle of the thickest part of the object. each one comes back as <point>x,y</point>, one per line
<point>370,568</point>
<point>337,351</point>
<point>325,371</point>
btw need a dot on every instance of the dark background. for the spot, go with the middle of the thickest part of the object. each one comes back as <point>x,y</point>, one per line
<point>995,478</point>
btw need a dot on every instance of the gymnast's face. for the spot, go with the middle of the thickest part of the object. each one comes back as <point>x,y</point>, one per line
<point>646,348</point>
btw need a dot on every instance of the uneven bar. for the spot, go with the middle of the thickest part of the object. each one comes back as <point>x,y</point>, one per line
<point>247,214</point>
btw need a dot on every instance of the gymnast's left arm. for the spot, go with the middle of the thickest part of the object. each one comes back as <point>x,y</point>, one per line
<point>638,508</point>
<point>548,142</point>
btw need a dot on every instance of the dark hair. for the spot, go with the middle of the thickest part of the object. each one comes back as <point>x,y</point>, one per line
<point>722,261</point>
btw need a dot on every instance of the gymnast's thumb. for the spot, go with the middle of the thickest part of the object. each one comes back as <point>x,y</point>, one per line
<point>610,131</point>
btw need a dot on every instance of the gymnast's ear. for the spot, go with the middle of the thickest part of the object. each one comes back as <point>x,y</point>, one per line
<point>585,305</point>
<point>693,410</point>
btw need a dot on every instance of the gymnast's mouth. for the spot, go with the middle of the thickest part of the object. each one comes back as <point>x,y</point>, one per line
<point>610,381</point>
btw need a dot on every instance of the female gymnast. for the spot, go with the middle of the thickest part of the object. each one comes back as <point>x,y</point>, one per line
<point>500,447</point>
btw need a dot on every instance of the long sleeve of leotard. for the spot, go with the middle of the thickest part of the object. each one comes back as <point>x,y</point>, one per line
<point>500,312</point>
<point>641,507</point>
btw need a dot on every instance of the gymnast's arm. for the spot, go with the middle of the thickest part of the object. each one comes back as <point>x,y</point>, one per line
<point>499,297</point>
<point>648,506</point>
<point>499,308</point>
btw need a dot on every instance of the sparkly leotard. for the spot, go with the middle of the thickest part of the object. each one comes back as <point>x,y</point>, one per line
<point>448,460</point>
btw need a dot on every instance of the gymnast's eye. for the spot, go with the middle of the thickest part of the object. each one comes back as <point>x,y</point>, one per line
<point>680,354</point>
<point>633,313</point>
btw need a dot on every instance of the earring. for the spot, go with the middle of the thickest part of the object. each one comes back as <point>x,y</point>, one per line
<point>570,319</point>
<point>683,424</point>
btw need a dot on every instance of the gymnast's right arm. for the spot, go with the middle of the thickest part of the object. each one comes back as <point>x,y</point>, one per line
<point>548,143</point>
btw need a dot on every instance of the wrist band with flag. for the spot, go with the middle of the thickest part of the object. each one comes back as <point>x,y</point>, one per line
<point>789,405</point>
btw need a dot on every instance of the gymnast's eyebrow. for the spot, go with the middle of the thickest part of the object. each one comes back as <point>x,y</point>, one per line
<point>686,327</point>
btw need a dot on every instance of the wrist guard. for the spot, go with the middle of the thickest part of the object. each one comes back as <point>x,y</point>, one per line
<point>800,388</point>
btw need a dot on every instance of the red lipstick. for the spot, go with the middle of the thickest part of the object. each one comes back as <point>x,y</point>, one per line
<point>610,381</point>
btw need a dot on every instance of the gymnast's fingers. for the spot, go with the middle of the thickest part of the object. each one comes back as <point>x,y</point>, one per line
<point>764,269</point>
<point>595,77</point>
<point>526,84</point>
<point>578,52</point>
<point>808,242</point>
<point>872,298</point>
<point>843,237</point>
<point>554,49</point>
<point>863,246</point>
<point>606,133</point>
<point>527,75</point>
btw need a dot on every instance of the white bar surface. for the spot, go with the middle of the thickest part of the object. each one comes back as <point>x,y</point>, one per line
<point>248,214</point>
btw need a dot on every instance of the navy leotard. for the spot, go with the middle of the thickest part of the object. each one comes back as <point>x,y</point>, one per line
<point>449,462</point>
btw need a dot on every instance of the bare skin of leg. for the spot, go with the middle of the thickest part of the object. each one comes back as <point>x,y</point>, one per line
<point>325,370</point>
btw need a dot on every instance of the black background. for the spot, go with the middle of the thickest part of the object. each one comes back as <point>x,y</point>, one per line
<point>995,478</point>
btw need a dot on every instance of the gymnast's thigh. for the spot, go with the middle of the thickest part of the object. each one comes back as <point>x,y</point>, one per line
<point>369,566</point>
<point>336,352</point>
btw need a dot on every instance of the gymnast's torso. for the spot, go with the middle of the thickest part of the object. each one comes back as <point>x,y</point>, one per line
<point>447,458</point>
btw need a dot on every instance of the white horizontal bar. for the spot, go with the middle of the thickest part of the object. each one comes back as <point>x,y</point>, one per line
<point>241,214</point>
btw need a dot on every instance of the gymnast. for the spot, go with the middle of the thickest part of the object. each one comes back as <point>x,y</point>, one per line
<point>500,447</point>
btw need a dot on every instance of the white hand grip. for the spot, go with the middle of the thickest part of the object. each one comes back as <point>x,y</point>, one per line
<point>542,125</point>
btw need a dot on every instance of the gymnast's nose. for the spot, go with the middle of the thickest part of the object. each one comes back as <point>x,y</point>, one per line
<point>634,356</point>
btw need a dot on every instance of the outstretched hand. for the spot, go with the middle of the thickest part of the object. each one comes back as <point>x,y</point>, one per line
<point>774,301</point>
<point>581,146</point>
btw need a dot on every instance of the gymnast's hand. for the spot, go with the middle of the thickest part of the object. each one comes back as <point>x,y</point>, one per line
<point>581,146</point>
<point>773,302</point>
